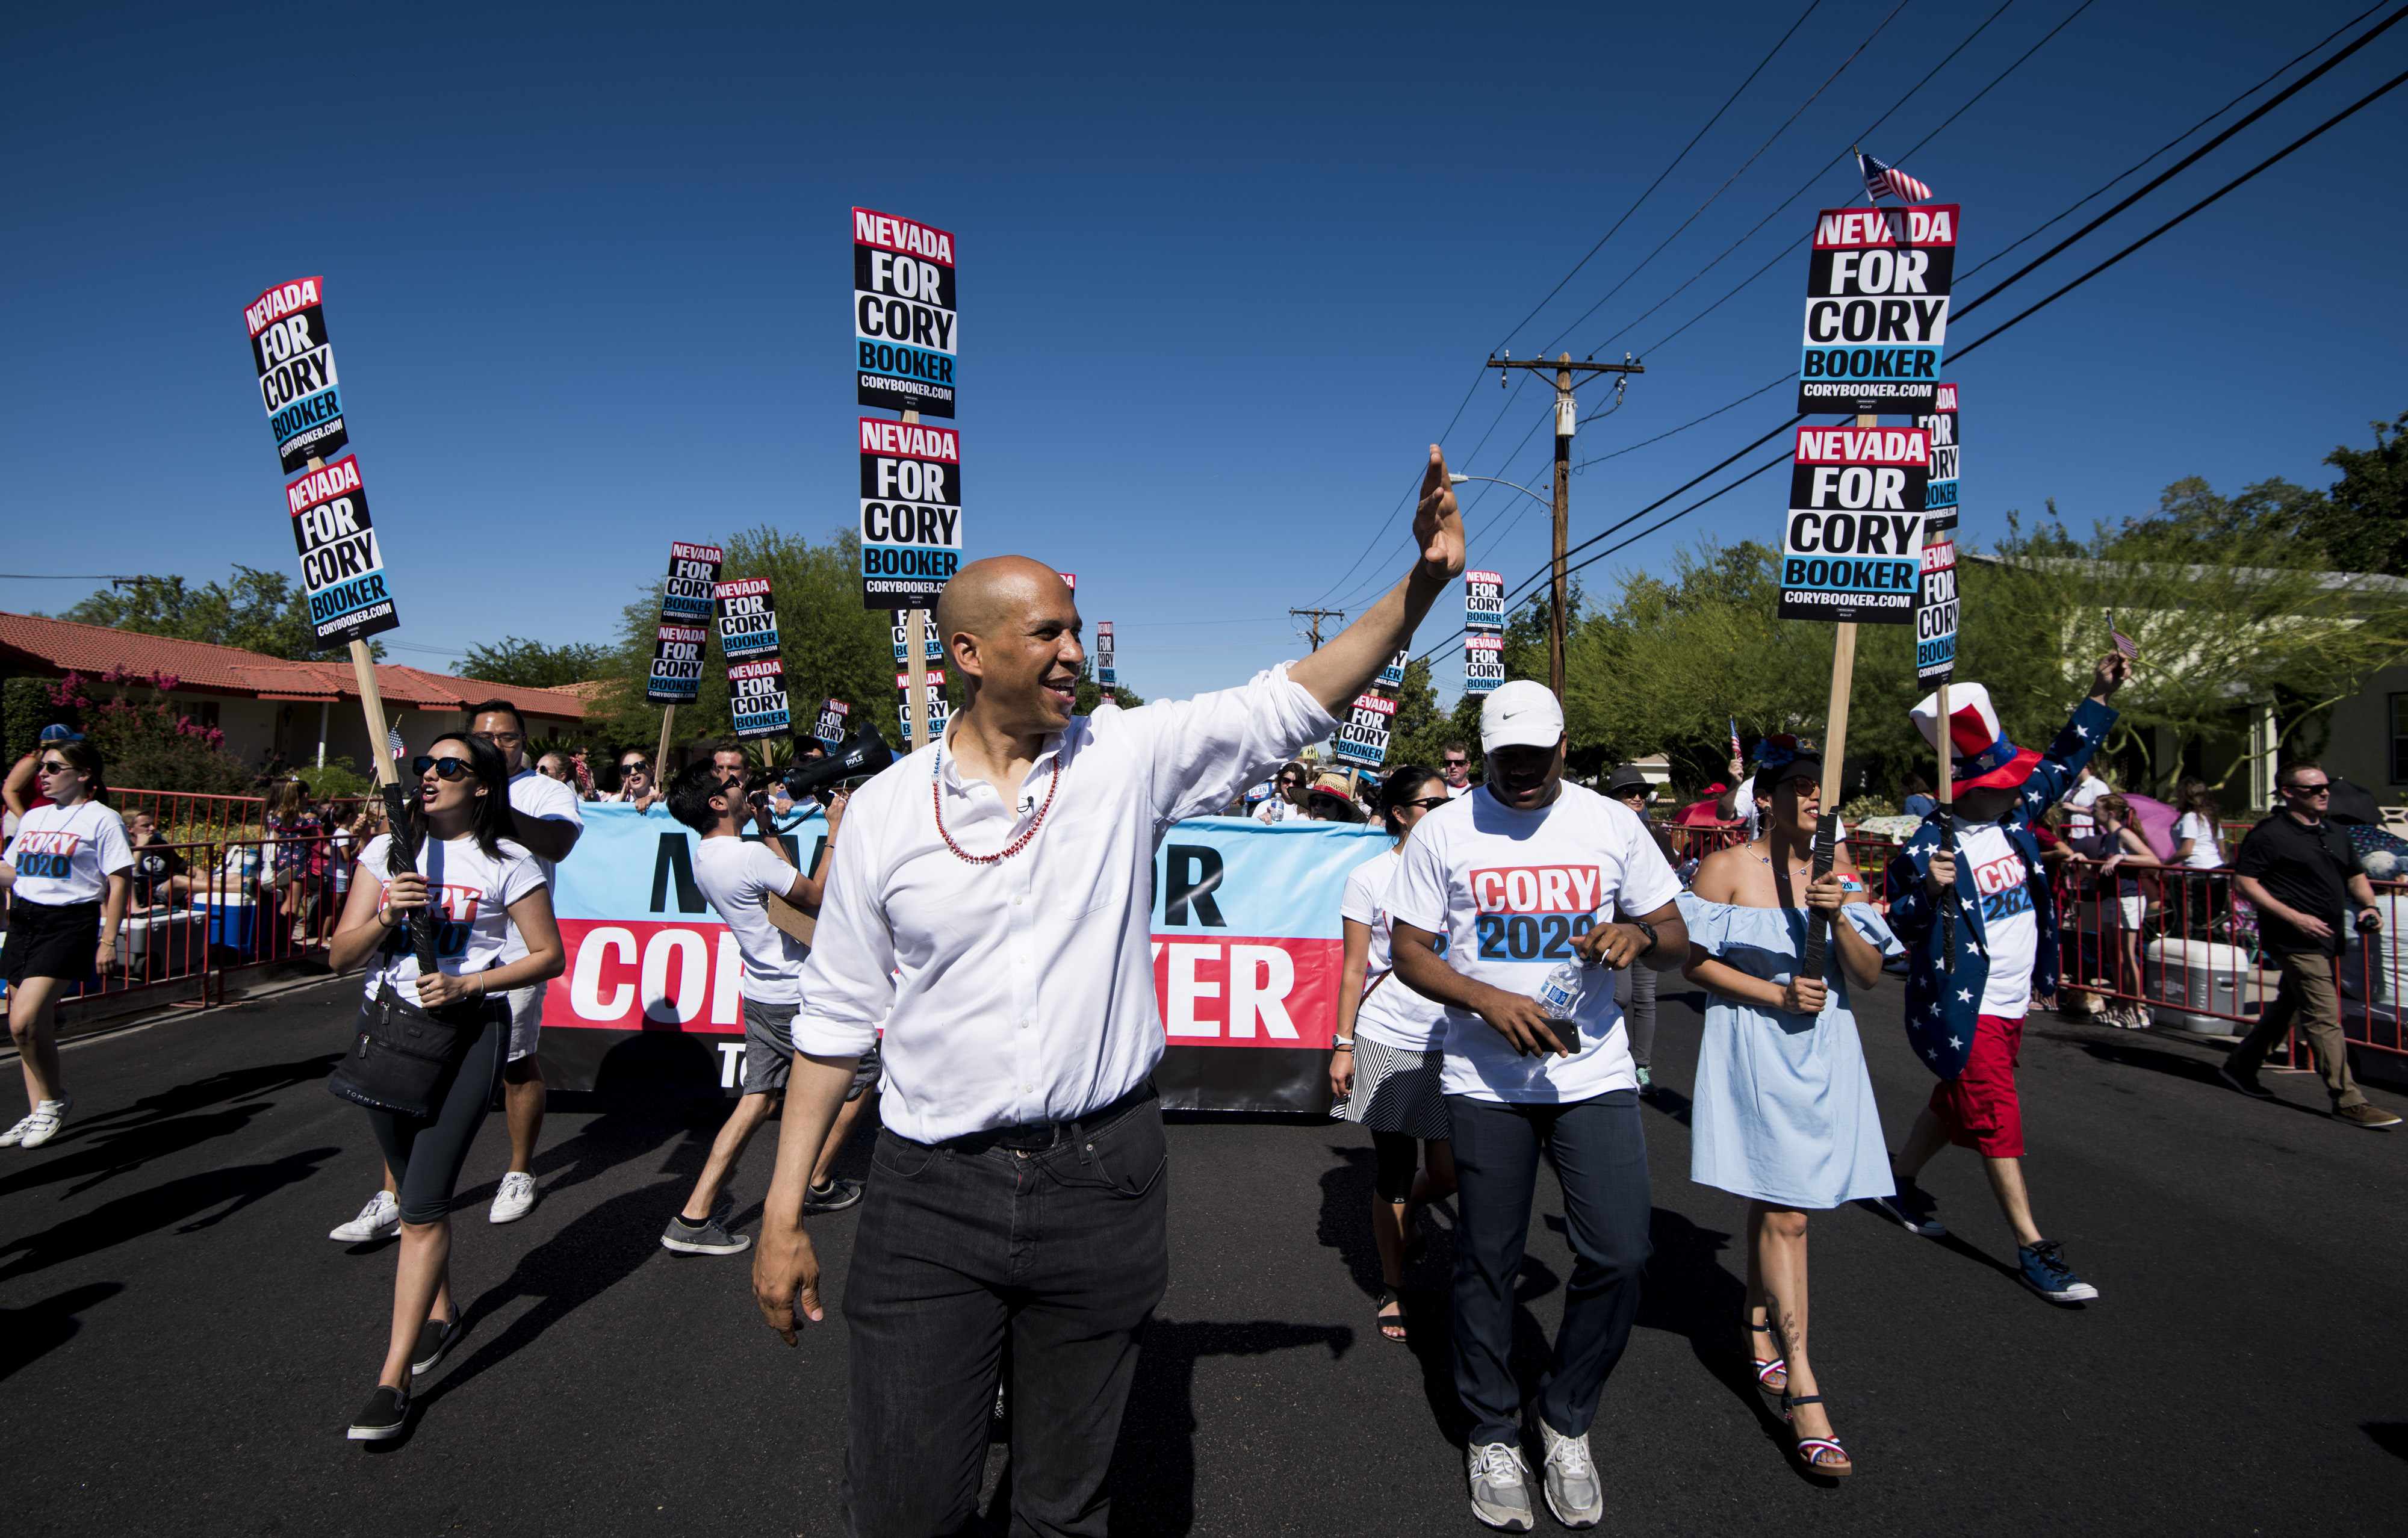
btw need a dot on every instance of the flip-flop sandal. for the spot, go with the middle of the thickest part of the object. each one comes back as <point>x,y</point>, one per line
<point>1821,1455</point>
<point>1765,1366</point>
<point>1390,1321</point>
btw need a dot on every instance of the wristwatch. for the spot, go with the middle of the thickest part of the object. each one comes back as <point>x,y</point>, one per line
<point>1646,928</point>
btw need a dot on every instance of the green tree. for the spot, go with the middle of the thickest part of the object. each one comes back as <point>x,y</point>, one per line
<point>263,611</point>
<point>2363,524</point>
<point>533,665</point>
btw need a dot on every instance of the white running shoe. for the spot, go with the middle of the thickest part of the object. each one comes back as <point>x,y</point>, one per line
<point>1569,1477</point>
<point>1500,1486</point>
<point>43,1125</point>
<point>380,1219</point>
<point>16,1134</point>
<point>515,1200</point>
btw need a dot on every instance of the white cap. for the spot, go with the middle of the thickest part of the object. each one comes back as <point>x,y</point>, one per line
<point>1524,714</point>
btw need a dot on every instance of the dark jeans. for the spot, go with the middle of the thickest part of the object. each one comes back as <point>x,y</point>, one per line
<point>1600,1155</point>
<point>1066,1250</point>
<point>425,1157</point>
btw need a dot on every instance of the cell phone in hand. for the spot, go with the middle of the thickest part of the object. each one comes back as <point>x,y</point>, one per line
<point>2370,923</point>
<point>1567,1032</point>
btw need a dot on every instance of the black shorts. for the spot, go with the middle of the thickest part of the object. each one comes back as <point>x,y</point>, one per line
<point>51,941</point>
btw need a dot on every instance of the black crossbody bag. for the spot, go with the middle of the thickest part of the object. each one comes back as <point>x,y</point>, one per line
<point>403,1058</point>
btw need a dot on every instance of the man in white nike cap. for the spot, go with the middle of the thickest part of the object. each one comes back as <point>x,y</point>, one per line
<point>1524,874</point>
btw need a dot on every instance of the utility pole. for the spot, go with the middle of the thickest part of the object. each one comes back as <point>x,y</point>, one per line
<point>1566,420</point>
<point>1315,617</point>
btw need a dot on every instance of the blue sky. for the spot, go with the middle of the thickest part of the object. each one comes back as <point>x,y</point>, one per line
<point>1223,275</point>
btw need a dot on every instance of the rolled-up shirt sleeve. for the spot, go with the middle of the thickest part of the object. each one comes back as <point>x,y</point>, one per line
<point>1203,751</point>
<point>849,981</point>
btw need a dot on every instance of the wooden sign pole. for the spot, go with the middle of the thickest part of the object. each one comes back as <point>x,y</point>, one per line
<point>915,660</point>
<point>661,754</point>
<point>1835,751</point>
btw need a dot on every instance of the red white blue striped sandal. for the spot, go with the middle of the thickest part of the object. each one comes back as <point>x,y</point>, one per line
<point>1821,1455</point>
<point>1766,1368</point>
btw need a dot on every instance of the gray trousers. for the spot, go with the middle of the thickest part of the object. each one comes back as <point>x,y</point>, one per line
<point>1065,1250</point>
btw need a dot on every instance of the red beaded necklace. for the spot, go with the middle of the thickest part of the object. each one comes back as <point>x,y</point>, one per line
<point>936,805</point>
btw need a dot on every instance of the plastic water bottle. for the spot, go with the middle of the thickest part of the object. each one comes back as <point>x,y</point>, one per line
<point>1559,996</point>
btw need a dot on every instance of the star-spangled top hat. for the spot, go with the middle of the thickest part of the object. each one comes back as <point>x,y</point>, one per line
<point>1984,758</point>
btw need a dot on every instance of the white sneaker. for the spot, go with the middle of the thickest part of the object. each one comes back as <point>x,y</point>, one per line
<point>1500,1486</point>
<point>380,1219</point>
<point>43,1125</point>
<point>1569,1478</point>
<point>16,1134</point>
<point>515,1200</point>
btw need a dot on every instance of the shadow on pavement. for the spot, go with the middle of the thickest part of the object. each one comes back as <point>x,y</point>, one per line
<point>1153,1462</point>
<point>2389,1435</point>
<point>229,1192</point>
<point>97,1148</point>
<point>29,1334</point>
<point>1345,1226</point>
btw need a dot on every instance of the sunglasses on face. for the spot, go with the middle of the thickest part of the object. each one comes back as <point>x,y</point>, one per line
<point>54,765</point>
<point>631,769</point>
<point>1455,763</point>
<point>445,768</point>
<point>1428,803</point>
<point>2305,788</point>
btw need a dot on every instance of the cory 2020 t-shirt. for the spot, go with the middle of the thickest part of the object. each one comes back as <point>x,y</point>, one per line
<point>1510,890</point>
<point>66,854</point>
<point>472,894</point>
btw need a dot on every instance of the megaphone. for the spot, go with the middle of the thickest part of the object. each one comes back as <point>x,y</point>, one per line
<point>863,753</point>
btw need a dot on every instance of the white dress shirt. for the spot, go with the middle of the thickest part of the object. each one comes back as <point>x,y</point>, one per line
<point>1023,991</point>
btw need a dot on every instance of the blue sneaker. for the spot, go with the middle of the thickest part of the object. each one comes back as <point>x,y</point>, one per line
<point>2046,1273</point>
<point>1912,1209</point>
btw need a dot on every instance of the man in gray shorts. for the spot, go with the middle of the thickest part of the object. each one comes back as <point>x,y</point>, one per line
<point>739,875</point>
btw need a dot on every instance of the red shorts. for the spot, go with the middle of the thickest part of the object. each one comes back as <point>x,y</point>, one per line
<point>1979,1106</point>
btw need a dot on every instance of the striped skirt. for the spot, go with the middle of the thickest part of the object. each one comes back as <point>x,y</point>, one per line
<point>1395,1091</point>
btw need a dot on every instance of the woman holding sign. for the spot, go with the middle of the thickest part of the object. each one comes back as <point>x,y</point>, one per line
<point>1785,1113</point>
<point>453,1025</point>
<point>1389,1048</point>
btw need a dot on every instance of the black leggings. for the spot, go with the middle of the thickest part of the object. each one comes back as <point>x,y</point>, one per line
<point>425,1157</point>
<point>1399,1155</point>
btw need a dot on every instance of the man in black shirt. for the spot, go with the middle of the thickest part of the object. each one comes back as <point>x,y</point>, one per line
<point>2297,867</point>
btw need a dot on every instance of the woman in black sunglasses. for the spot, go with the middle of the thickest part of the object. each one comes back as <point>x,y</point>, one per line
<point>1388,1050</point>
<point>493,931</point>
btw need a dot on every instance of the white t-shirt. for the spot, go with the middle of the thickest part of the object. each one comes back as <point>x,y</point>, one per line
<point>1456,792</point>
<point>1508,890</point>
<point>734,873</point>
<point>546,799</point>
<point>472,894</point>
<point>2202,834</point>
<point>2078,820</point>
<point>2007,917</point>
<point>1392,1014</point>
<point>66,854</point>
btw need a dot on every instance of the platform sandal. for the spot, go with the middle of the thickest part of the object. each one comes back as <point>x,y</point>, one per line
<point>1821,1455</point>
<point>1765,1366</point>
<point>1390,1321</point>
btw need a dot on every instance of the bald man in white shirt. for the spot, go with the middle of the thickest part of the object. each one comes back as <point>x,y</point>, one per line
<point>995,891</point>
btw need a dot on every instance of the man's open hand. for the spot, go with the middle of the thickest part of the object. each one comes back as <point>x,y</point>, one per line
<point>786,1278</point>
<point>1438,524</point>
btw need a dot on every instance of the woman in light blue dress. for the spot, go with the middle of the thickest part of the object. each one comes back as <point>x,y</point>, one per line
<point>1784,1112</point>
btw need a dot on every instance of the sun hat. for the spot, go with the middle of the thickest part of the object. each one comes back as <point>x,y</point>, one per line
<point>1524,714</point>
<point>1982,758</point>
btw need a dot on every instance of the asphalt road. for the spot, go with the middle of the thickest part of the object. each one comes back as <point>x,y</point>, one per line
<point>182,1347</point>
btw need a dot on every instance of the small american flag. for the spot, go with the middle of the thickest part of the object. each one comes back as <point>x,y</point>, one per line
<point>393,737</point>
<point>2124,643</point>
<point>1889,182</point>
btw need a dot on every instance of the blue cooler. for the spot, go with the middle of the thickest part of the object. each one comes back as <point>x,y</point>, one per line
<point>230,922</point>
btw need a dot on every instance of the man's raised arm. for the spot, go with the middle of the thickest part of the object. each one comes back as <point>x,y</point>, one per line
<point>1339,670</point>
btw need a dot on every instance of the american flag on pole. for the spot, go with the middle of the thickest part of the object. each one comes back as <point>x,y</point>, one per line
<point>2124,643</point>
<point>1889,182</point>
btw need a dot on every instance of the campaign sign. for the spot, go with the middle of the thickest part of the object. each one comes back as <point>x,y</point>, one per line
<point>1393,675</point>
<point>676,678</point>
<point>911,513</point>
<point>342,570</point>
<point>830,728</point>
<point>931,649</point>
<point>1876,310</point>
<point>903,320</point>
<point>756,699</point>
<point>1483,600</point>
<point>1849,549</point>
<point>1107,673</point>
<point>297,372</point>
<point>748,626</point>
<point>1940,496</point>
<point>1363,736</point>
<point>694,578</point>
<point>1484,663</point>
<point>1935,617</point>
<point>937,707</point>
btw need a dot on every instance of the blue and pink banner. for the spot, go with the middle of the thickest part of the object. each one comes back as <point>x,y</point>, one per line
<point>1246,955</point>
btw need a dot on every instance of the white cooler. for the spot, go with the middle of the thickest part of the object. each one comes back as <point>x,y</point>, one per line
<point>2197,975</point>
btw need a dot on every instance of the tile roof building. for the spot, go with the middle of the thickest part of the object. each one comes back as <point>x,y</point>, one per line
<point>263,704</point>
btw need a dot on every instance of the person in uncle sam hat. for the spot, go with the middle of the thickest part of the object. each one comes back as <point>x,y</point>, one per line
<point>1969,979</point>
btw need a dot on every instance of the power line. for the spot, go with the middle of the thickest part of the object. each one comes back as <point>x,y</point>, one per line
<point>2162,178</point>
<point>1659,176</point>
